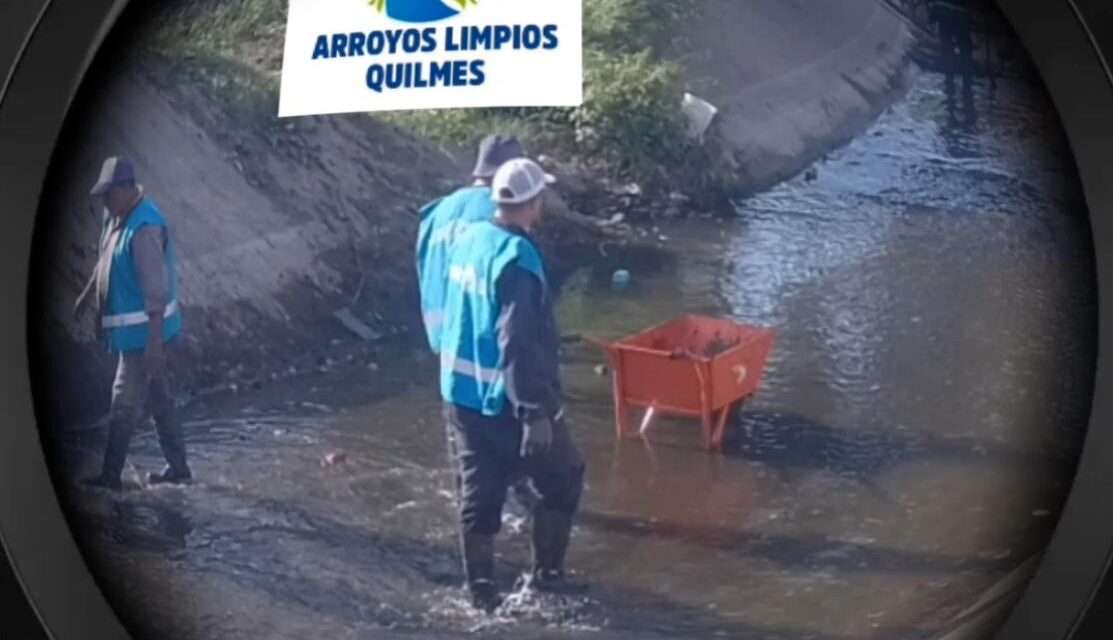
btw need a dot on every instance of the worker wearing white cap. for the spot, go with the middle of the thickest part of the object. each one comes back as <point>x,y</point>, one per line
<point>445,218</point>
<point>501,387</point>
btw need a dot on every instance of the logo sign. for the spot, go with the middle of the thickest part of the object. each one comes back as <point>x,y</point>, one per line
<point>345,56</point>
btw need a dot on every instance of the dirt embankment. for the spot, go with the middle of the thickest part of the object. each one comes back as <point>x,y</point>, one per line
<point>278,223</point>
<point>281,222</point>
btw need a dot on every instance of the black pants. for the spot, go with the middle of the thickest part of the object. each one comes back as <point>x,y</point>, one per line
<point>487,455</point>
<point>136,393</point>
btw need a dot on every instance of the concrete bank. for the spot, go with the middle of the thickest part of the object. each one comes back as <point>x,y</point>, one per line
<point>792,78</point>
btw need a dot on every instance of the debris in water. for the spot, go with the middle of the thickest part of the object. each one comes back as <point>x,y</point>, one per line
<point>318,407</point>
<point>333,459</point>
<point>355,325</point>
<point>405,505</point>
<point>612,221</point>
<point>620,279</point>
<point>632,189</point>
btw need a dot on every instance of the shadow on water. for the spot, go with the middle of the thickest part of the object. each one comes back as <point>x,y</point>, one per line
<point>152,526</point>
<point>783,439</point>
<point>959,133</point>
<point>797,553</point>
<point>435,564</point>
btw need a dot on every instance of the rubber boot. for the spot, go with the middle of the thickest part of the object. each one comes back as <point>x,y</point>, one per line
<point>115,453</point>
<point>172,442</point>
<point>552,531</point>
<point>479,568</point>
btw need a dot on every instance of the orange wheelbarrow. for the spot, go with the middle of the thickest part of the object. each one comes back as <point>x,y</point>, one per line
<point>691,366</point>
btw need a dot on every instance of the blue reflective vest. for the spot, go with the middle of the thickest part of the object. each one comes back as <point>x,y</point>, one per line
<point>442,221</point>
<point>125,318</point>
<point>472,363</point>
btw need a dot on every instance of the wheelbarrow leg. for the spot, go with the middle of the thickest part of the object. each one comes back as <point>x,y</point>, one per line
<point>720,427</point>
<point>647,419</point>
<point>708,420</point>
<point>621,409</point>
<point>706,414</point>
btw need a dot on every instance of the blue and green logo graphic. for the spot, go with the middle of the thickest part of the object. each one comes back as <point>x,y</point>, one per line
<point>421,10</point>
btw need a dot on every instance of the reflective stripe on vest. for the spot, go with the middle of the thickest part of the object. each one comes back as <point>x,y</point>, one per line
<point>471,369</point>
<point>472,362</point>
<point>135,318</point>
<point>124,316</point>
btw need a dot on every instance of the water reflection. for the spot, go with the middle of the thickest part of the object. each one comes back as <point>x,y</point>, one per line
<point>906,449</point>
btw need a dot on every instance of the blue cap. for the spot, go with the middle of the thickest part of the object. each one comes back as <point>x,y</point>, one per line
<point>115,171</point>
<point>494,151</point>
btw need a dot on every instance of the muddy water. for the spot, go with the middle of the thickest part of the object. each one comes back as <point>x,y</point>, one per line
<point>911,443</point>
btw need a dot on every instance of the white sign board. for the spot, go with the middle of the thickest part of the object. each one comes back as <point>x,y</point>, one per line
<point>345,56</point>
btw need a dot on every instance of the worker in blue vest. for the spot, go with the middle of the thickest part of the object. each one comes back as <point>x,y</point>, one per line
<point>501,387</point>
<point>134,287</point>
<point>441,222</point>
<point>444,218</point>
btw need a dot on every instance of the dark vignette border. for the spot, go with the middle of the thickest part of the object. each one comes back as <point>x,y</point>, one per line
<point>40,89</point>
<point>1062,40</point>
<point>48,47</point>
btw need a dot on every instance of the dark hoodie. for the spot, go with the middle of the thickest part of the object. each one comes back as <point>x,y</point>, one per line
<point>529,338</point>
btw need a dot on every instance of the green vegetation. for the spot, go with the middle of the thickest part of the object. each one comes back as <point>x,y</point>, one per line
<point>220,27</point>
<point>630,126</point>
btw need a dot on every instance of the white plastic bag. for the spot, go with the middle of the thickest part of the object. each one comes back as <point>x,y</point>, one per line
<point>700,113</point>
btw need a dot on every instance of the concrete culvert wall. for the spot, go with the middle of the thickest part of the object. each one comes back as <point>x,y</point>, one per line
<point>791,78</point>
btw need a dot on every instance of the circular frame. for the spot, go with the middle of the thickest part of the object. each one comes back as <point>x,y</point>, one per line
<point>49,45</point>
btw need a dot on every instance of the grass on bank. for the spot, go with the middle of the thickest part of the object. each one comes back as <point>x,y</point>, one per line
<point>630,126</point>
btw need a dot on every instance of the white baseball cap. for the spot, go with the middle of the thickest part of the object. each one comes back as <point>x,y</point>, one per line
<point>519,180</point>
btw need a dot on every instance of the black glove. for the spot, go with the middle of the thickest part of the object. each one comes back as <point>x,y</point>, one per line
<point>537,436</point>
